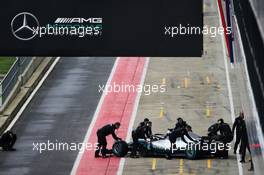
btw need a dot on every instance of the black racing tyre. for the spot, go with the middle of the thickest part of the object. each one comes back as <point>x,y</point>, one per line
<point>191,152</point>
<point>120,148</point>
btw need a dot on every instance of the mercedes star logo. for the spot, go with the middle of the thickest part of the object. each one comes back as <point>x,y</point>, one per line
<point>24,25</point>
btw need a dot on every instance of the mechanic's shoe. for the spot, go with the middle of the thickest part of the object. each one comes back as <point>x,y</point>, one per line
<point>97,155</point>
<point>168,156</point>
<point>251,169</point>
<point>105,156</point>
<point>242,161</point>
<point>134,156</point>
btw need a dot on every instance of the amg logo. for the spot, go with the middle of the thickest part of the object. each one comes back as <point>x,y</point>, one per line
<point>79,20</point>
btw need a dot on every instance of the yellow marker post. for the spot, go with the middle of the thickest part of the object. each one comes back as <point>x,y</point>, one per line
<point>218,87</point>
<point>208,80</point>
<point>185,82</point>
<point>154,163</point>
<point>161,112</point>
<point>163,81</point>
<point>181,167</point>
<point>209,163</point>
<point>208,111</point>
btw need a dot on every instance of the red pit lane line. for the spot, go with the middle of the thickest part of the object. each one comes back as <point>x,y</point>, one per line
<point>224,25</point>
<point>115,107</point>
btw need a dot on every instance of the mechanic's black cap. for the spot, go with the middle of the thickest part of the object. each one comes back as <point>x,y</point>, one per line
<point>146,120</point>
<point>179,118</point>
<point>220,120</point>
<point>117,123</point>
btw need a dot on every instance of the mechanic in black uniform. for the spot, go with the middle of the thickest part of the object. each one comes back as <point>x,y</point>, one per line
<point>180,123</point>
<point>226,135</point>
<point>238,127</point>
<point>176,133</point>
<point>8,140</point>
<point>147,128</point>
<point>138,133</point>
<point>101,135</point>
<point>146,131</point>
<point>143,131</point>
<point>244,142</point>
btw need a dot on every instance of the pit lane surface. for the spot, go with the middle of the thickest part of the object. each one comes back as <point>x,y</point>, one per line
<point>60,111</point>
<point>197,89</point>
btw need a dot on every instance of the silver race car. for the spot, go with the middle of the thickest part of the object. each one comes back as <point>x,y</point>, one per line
<point>159,145</point>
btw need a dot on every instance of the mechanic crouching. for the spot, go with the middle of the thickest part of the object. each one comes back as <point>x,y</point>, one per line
<point>225,131</point>
<point>176,133</point>
<point>143,131</point>
<point>101,136</point>
<point>225,136</point>
<point>7,141</point>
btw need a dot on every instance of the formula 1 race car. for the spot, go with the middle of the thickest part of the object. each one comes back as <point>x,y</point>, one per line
<point>159,145</point>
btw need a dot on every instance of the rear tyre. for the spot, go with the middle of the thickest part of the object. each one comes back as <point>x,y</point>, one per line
<point>120,148</point>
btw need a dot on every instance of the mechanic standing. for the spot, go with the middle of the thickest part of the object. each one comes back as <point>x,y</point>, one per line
<point>244,142</point>
<point>238,127</point>
<point>101,135</point>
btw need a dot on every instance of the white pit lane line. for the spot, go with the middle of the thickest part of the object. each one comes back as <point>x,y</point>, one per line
<point>230,95</point>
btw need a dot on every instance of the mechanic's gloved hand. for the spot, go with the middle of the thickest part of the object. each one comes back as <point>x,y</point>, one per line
<point>148,139</point>
<point>196,141</point>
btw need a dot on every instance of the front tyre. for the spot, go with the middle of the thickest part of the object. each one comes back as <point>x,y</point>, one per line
<point>120,148</point>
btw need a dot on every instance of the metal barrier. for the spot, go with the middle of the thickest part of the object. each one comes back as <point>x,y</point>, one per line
<point>248,49</point>
<point>258,10</point>
<point>10,80</point>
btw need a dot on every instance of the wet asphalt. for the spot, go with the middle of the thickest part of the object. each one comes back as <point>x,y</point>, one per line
<point>60,112</point>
